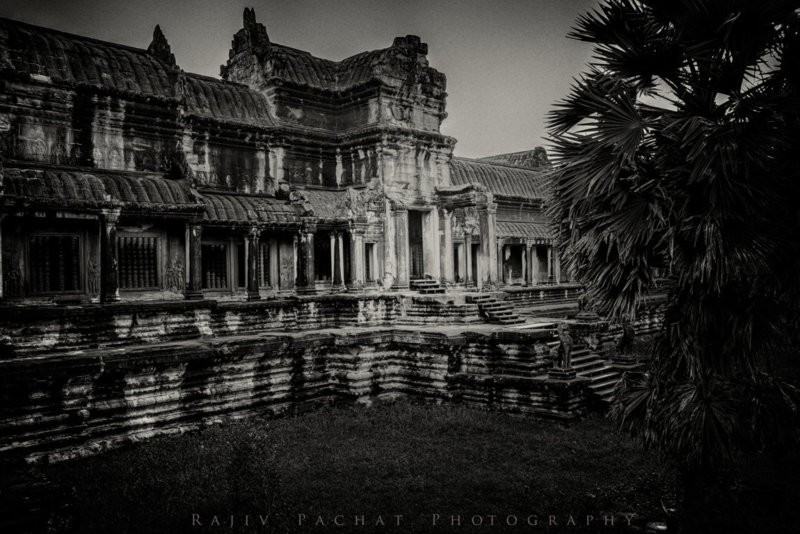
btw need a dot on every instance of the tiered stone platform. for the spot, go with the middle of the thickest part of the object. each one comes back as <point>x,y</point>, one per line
<point>75,380</point>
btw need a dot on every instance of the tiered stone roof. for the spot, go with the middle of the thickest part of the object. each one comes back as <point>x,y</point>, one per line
<point>501,180</point>
<point>57,188</point>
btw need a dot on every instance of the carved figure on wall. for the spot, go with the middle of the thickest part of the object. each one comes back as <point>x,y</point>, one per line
<point>94,278</point>
<point>176,277</point>
<point>565,346</point>
<point>12,278</point>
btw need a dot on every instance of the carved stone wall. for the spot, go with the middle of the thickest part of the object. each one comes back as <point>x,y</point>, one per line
<point>69,405</point>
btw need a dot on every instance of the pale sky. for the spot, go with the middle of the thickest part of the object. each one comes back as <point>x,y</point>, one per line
<point>506,61</point>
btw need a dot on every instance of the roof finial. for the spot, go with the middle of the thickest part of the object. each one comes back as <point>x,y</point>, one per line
<point>249,17</point>
<point>159,47</point>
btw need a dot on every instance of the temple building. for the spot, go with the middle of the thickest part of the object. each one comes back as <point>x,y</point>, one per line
<point>122,177</point>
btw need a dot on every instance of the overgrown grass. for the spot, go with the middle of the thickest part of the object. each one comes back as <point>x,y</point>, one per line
<point>398,458</point>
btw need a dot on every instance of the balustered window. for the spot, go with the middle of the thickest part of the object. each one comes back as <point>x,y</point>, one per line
<point>138,262</point>
<point>54,263</point>
<point>263,265</point>
<point>215,265</point>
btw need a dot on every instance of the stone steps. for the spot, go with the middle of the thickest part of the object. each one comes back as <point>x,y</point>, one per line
<point>426,286</point>
<point>604,378</point>
<point>497,311</point>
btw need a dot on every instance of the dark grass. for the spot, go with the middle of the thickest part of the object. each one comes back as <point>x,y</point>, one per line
<point>397,458</point>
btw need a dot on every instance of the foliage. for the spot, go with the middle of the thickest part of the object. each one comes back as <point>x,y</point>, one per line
<point>677,151</point>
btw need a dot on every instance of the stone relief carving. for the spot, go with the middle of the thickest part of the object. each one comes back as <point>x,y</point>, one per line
<point>354,203</point>
<point>94,278</point>
<point>176,277</point>
<point>12,278</point>
<point>465,220</point>
<point>300,202</point>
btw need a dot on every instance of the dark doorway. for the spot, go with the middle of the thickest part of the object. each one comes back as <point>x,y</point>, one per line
<point>476,248</point>
<point>417,268</point>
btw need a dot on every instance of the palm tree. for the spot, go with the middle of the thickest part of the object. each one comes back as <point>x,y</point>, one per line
<point>679,148</point>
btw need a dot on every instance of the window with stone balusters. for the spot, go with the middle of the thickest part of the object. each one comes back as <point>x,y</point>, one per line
<point>263,265</point>
<point>215,265</point>
<point>54,263</point>
<point>137,258</point>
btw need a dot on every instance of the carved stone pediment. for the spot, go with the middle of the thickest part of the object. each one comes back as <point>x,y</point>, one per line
<point>302,205</point>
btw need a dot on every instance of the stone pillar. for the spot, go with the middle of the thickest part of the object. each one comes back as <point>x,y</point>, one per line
<point>340,257</point>
<point>501,258</point>
<point>333,258</point>
<point>195,288</point>
<point>550,263</point>
<point>462,263</point>
<point>432,251</point>
<point>556,265</point>
<point>525,264</point>
<point>447,260</point>
<point>468,278</point>
<point>400,216</point>
<point>274,264</point>
<point>357,259</point>
<point>305,259</point>
<point>253,264</point>
<point>486,218</point>
<point>109,275</point>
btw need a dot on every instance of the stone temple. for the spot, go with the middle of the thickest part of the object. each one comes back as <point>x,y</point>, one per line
<point>179,250</point>
<point>126,178</point>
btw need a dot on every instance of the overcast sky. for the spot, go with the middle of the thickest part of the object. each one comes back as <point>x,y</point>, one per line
<point>506,61</point>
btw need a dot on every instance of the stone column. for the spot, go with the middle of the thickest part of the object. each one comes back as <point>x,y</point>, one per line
<point>357,258</point>
<point>333,258</point>
<point>432,250</point>
<point>462,263</point>
<point>195,288</point>
<point>340,258</point>
<point>109,275</point>
<point>486,218</point>
<point>556,265</point>
<point>400,216</point>
<point>274,264</point>
<point>525,264</point>
<point>305,259</point>
<point>468,279</point>
<point>447,260</point>
<point>253,264</point>
<point>501,257</point>
<point>550,263</point>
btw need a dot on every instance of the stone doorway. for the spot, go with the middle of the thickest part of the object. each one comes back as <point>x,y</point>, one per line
<point>417,264</point>
<point>476,249</point>
<point>514,265</point>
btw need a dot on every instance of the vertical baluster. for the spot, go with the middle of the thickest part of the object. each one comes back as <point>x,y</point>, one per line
<point>152,259</point>
<point>75,264</point>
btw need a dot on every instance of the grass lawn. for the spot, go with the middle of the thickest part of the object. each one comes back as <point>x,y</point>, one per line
<point>401,458</point>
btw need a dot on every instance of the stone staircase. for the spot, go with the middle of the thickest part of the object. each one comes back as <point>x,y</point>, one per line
<point>497,311</point>
<point>426,286</point>
<point>604,378</point>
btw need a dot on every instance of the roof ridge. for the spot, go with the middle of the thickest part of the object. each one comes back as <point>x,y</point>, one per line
<point>333,61</point>
<point>82,37</point>
<point>508,165</point>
